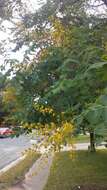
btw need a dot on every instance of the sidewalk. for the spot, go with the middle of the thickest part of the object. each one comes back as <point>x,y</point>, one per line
<point>37,176</point>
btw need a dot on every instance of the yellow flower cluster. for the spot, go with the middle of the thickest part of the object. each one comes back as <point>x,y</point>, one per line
<point>45,110</point>
<point>54,136</point>
<point>62,135</point>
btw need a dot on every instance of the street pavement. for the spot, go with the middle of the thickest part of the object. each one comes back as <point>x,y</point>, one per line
<point>80,146</point>
<point>11,149</point>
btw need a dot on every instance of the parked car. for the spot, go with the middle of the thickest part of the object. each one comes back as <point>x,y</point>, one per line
<point>104,143</point>
<point>5,132</point>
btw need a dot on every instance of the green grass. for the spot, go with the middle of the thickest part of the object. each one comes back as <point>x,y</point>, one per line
<point>82,139</point>
<point>87,170</point>
<point>17,173</point>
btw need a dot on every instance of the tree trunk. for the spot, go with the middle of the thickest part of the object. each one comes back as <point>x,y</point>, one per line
<point>83,129</point>
<point>92,142</point>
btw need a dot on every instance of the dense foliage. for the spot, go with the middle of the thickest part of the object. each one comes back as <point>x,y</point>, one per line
<point>67,74</point>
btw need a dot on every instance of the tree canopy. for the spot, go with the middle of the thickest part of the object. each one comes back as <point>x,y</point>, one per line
<point>63,75</point>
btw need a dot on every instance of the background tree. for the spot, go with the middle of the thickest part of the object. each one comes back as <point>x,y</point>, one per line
<point>3,112</point>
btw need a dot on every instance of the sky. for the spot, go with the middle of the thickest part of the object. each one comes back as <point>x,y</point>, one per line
<point>5,34</point>
<point>34,4</point>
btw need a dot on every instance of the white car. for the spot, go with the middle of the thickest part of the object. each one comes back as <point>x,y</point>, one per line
<point>104,143</point>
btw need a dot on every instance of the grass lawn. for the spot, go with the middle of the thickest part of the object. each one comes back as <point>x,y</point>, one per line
<point>86,171</point>
<point>82,139</point>
<point>17,173</point>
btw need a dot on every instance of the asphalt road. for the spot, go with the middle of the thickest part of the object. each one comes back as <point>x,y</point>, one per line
<point>11,148</point>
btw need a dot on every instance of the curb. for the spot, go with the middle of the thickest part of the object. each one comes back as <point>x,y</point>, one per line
<point>12,164</point>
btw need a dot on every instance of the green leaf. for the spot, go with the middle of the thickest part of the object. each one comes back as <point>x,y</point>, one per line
<point>94,114</point>
<point>102,100</point>
<point>97,65</point>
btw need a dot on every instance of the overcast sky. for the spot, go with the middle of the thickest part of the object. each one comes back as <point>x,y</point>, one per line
<point>33,5</point>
